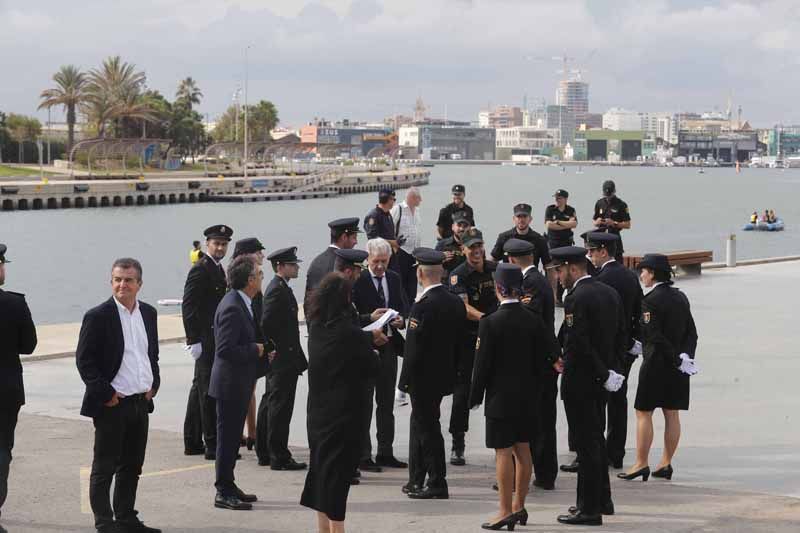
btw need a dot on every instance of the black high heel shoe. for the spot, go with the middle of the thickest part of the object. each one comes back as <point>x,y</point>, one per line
<point>522,516</point>
<point>665,472</point>
<point>510,522</point>
<point>644,472</point>
<point>250,443</point>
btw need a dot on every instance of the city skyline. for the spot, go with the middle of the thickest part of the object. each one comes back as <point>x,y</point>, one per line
<point>366,60</point>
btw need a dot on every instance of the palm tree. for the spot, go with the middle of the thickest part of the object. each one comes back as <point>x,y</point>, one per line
<point>69,92</point>
<point>112,92</point>
<point>188,93</point>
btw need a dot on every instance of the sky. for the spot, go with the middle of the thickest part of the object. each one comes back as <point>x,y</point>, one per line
<point>368,59</point>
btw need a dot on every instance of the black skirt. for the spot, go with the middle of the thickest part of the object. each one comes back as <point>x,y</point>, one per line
<point>661,385</point>
<point>505,432</point>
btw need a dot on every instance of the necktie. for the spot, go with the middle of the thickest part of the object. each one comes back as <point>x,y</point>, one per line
<point>381,295</point>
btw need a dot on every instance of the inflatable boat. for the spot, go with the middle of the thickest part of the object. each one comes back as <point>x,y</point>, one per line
<point>764,226</point>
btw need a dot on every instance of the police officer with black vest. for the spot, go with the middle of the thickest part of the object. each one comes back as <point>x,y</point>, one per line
<point>559,220</point>
<point>445,220</point>
<point>473,282</point>
<point>538,298</point>
<point>522,230</point>
<point>590,338</point>
<point>204,289</point>
<point>452,246</point>
<point>602,250</point>
<point>611,214</point>
<point>17,336</point>
<point>428,375</point>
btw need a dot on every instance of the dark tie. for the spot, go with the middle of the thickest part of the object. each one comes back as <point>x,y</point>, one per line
<point>381,295</point>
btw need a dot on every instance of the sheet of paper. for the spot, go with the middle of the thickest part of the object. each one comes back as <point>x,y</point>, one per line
<point>385,318</point>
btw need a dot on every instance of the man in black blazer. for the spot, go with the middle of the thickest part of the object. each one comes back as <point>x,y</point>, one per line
<point>205,286</point>
<point>17,336</point>
<point>380,288</point>
<point>280,325</point>
<point>233,376</point>
<point>344,236</point>
<point>602,251</point>
<point>117,359</point>
<point>429,373</point>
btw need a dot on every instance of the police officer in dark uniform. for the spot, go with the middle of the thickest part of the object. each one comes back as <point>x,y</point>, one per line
<point>205,286</point>
<point>379,223</point>
<point>602,249</point>
<point>538,298</point>
<point>611,214</point>
<point>444,222</point>
<point>17,336</point>
<point>452,246</point>
<point>344,235</point>
<point>473,282</point>
<point>429,374</point>
<point>590,337</point>
<point>559,219</point>
<point>522,230</point>
<point>279,324</point>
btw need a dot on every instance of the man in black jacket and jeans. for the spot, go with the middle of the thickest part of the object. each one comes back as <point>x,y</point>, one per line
<point>117,359</point>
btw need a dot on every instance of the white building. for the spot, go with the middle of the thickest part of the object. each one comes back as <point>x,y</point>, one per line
<point>618,119</point>
<point>522,140</point>
<point>483,119</point>
<point>408,136</point>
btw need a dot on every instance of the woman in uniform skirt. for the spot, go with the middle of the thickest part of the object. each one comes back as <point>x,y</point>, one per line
<point>669,342</point>
<point>509,357</point>
<point>340,363</point>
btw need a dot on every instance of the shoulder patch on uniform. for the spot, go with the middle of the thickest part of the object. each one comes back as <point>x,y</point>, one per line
<point>646,317</point>
<point>454,279</point>
<point>569,319</point>
<point>477,344</point>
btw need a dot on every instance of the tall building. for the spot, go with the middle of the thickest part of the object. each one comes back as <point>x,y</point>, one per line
<point>573,94</point>
<point>503,116</point>
<point>560,118</point>
<point>618,119</point>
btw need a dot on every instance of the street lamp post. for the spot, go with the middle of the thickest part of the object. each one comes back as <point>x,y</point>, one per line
<point>246,154</point>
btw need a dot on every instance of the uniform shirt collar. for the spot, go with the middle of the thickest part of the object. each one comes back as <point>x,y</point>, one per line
<point>246,298</point>
<point>425,291</point>
<point>122,308</point>
<point>510,301</point>
<point>525,270</point>
<point>607,262</point>
<point>569,291</point>
<point>334,246</point>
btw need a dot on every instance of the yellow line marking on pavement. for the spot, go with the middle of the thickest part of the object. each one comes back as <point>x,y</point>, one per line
<point>177,470</point>
<point>84,475</point>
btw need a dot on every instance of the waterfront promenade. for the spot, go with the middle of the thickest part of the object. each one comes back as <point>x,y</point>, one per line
<point>737,469</point>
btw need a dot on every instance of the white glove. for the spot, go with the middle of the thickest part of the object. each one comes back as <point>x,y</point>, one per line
<point>636,349</point>
<point>195,350</point>
<point>614,381</point>
<point>687,365</point>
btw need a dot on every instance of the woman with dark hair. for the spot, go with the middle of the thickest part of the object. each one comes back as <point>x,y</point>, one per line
<point>340,363</point>
<point>669,342</point>
<point>509,357</point>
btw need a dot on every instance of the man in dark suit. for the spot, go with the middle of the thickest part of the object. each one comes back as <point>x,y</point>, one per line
<point>233,376</point>
<point>17,336</point>
<point>279,324</point>
<point>429,373</point>
<point>602,251</point>
<point>117,359</point>
<point>590,337</point>
<point>344,236</point>
<point>205,287</point>
<point>380,288</point>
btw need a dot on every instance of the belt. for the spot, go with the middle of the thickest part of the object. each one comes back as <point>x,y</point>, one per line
<point>134,397</point>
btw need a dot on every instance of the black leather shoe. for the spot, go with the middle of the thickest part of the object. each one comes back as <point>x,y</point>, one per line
<point>665,472</point>
<point>643,472</point>
<point>430,493</point>
<point>544,485</point>
<point>231,502</point>
<point>357,473</point>
<point>247,498</point>
<point>355,481</point>
<point>368,465</point>
<point>572,467</point>
<point>389,461</point>
<point>211,456</point>
<point>411,487</point>
<point>522,516</point>
<point>291,464</point>
<point>194,451</point>
<point>135,527</point>
<point>250,443</point>
<point>581,519</point>
<point>263,462</point>
<point>112,528</point>
<point>457,458</point>
<point>510,522</point>
<point>607,509</point>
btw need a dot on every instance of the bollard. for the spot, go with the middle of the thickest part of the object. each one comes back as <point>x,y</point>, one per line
<point>730,251</point>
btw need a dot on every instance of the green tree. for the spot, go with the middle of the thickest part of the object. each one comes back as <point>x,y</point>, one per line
<point>188,93</point>
<point>69,92</point>
<point>23,129</point>
<point>261,119</point>
<point>5,138</point>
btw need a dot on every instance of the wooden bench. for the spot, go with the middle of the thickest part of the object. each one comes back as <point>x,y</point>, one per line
<point>687,261</point>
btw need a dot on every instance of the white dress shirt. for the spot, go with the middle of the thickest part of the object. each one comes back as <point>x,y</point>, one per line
<point>384,286</point>
<point>248,302</point>
<point>135,375</point>
<point>410,225</point>
<point>525,270</point>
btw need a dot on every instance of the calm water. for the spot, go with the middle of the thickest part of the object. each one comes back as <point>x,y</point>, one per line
<point>61,258</point>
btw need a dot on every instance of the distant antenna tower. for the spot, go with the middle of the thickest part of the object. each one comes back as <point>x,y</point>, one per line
<point>419,110</point>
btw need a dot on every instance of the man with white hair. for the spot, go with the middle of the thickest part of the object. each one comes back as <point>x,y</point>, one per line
<point>380,288</point>
<point>408,228</point>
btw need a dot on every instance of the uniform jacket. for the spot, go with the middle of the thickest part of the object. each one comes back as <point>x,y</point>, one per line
<point>538,299</point>
<point>379,223</point>
<point>279,324</point>
<point>668,328</point>
<point>236,359</point>
<point>205,286</point>
<point>433,340</point>
<point>615,209</point>
<point>321,266</point>
<point>445,219</point>
<point>100,349</point>
<point>625,282</point>
<point>365,298</point>
<point>592,337</point>
<point>17,336</point>
<point>542,251</point>
<point>509,358</point>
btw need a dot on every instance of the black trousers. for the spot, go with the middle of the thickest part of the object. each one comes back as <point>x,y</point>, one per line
<point>382,390</point>
<point>426,445</point>
<point>408,273</point>
<point>262,426</point>
<point>459,412</point>
<point>231,414</point>
<point>8,424</point>
<point>120,440</point>
<point>200,422</point>
<point>585,419</point>
<point>617,421</point>
<point>544,438</point>
<point>281,387</point>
